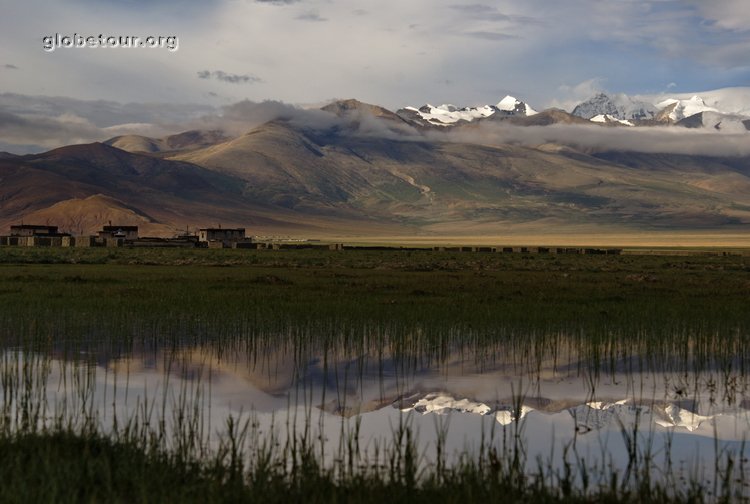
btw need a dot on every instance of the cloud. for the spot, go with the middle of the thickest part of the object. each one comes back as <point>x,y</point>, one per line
<point>598,139</point>
<point>37,123</point>
<point>11,67</point>
<point>486,35</point>
<point>488,13</point>
<point>101,113</point>
<point>731,15</point>
<point>23,134</point>
<point>241,117</point>
<point>398,53</point>
<point>569,96</point>
<point>60,121</point>
<point>311,16</point>
<point>227,77</point>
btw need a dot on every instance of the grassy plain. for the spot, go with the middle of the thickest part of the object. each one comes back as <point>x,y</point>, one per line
<point>212,294</point>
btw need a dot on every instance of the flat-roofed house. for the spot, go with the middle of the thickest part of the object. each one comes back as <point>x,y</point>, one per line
<point>226,236</point>
<point>33,230</point>
<point>123,232</point>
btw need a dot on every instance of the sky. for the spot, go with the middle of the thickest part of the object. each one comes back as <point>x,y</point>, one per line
<point>390,52</point>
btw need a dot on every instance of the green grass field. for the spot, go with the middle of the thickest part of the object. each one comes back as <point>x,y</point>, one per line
<point>211,295</point>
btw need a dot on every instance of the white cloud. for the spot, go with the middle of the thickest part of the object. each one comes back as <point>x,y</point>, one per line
<point>570,96</point>
<point>390,52</point>
<point>597,139</point>
<point>727,14</point>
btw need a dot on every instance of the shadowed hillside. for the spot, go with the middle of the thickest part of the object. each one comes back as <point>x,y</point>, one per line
<point>367,172</point>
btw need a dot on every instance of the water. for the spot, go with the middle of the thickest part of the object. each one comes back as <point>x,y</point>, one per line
<point>553,408</point>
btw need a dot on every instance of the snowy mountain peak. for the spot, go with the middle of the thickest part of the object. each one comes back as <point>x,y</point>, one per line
<point>450,115</point>
<point>610,120</point>
<point>725,109</point>
<point>677,110</point>
<point>619,106</point>
<point>515,106</point>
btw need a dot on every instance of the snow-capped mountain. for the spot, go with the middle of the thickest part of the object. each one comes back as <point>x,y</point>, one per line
<point>676,110</point>
<point>718,121</point>
<point>619,106</point>
<point>723,109</point>
<point>449,115</point>
<point>730,101</point>
<point>515,107</point>
<point>610,120</point>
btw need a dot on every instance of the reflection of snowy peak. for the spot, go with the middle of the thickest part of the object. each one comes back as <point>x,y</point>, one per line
<point>618,107</point>
<point>448,115</point>
<point>443,404</point>
<point>587,416</point>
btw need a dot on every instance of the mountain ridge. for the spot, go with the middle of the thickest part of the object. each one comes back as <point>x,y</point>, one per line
<point>601,108</point>
<point>362,169</point>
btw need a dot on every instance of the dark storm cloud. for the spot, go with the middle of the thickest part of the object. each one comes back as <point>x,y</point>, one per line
<point>228,77</point>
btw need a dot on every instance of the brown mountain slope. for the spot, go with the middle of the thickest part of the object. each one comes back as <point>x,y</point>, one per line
<point>344,108</point>
<point>342,179</point>
<point>442,185</point>
<point>136,143</point>
<point>87,215</point>
<point>547,117</point>
<point>186,140</point>
<point>169,194</point>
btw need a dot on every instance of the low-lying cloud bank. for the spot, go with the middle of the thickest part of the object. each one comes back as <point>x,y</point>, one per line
<point>30,124</point>
<point>239,118</point>
<point>595,139</point>
<point>34,124</point>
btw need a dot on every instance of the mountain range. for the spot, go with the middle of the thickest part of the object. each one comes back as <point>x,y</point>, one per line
<point>355,169</point>
<point>724,107</point>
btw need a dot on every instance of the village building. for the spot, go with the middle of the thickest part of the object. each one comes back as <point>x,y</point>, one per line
<point>33,230</point>
<point>34,235</point>
<point>224,236</point>
<point>127,233</point>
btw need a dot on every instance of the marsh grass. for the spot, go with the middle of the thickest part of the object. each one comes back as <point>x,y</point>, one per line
<point>163,452</point>
<point>132,464</point>
<point>679,312</point>
<point>589,315</point>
